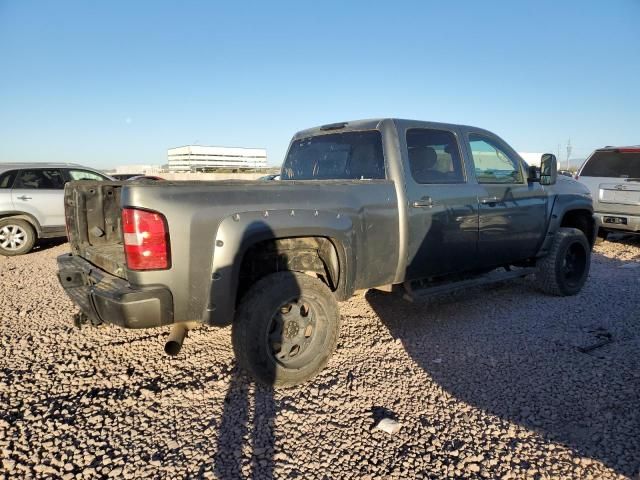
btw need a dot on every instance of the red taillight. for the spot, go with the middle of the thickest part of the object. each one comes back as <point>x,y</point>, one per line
<point>146,240</point>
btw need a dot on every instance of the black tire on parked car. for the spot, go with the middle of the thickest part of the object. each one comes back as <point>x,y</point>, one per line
<point>601,236</point>
<point>564,270</point>
<point>17,236</point>
<point>286,328</point>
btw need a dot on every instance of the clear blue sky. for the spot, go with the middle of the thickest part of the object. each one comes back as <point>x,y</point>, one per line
<point>119,82</point>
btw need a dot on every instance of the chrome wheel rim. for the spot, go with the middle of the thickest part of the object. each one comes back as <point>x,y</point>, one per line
<point>296,329</point>
<point>12,237</point>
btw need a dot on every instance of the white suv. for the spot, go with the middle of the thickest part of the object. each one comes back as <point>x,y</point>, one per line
<point>612,174</point>
<point>32,202</point>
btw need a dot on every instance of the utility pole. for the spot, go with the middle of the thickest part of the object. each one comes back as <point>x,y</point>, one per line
<point>568,152</point>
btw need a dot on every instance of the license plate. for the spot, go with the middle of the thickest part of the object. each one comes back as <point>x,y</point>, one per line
<point>616,220</point>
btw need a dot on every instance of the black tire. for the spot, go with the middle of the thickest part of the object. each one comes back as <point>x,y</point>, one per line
<point>564,270</point>
<point>602,236</point>
<point>286,328</point>
<point>17,237</point>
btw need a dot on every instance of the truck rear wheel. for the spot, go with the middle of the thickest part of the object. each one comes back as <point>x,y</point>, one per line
<point>565,269</point>
<point>16,237</point>
<point>286,328</point>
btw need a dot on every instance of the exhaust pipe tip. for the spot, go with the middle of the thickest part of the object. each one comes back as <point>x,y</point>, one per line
<point>174,343</point>
<point>172,348</point>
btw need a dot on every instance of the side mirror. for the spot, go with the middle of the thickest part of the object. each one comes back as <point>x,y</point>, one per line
<point>548,169</point>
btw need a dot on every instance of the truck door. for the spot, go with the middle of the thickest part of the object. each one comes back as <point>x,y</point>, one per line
<point>40,193</point>
<point>512,211</point>
<point>443,205</point>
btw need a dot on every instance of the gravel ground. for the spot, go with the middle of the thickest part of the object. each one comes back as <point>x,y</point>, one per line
<point>486,383</point>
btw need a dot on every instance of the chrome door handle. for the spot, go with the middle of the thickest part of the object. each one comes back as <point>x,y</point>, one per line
<point>488,200</point>
<point>23,197</point>
<point>423,202</point>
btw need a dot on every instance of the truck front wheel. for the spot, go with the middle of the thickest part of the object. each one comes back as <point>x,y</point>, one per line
<point>565,268</point>
<point>286,328</point>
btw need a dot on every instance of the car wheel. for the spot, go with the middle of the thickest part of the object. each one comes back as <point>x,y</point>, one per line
<point>564,270</point>
<point>16,237</point>
<point>602,236</point>
<point>286,328</point>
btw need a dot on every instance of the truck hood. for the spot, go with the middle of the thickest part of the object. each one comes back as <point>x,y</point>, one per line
<point>567,185</point>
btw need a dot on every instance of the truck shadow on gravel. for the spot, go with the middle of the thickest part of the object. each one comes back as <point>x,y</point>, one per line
<point>236,430</point>
<point>527,358</point>
<point>241,427</point>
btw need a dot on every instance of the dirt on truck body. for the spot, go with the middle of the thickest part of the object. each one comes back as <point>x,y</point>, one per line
<point>399,205</point>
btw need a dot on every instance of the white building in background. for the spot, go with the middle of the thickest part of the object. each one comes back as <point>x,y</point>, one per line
<point>196,158</point>
<point>531,158</point>
<point>138,169</point>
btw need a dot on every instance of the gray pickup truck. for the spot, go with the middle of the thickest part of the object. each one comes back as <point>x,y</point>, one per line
<point>399,205</point>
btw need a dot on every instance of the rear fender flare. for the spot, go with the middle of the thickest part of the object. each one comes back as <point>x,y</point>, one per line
<point>238,232</point>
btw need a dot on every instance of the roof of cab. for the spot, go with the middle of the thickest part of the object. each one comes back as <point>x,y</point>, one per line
<point>375,123</point>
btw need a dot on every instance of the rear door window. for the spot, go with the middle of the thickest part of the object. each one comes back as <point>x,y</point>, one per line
<point>434,156</point>
<point>40,179</point>
<point>348,155</point>
<point>613,164</point>
<point>7,178</point>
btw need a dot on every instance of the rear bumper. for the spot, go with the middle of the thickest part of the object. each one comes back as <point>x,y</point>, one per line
<point>632,225</point>
<point>110,299</point>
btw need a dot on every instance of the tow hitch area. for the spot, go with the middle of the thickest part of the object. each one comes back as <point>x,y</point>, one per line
<point>81,318</point>
<point>71,279</point>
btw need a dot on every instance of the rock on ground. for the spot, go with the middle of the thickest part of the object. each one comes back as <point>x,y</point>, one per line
<point>487,383</point>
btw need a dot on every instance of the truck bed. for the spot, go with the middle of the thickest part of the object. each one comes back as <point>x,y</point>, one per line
<point>360,215</point>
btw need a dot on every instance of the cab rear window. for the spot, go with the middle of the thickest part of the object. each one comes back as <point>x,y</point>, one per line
<point>613,164</point>
<point>348,155</point>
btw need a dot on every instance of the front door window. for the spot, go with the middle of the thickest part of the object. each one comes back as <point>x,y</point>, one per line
<point>492,164</point>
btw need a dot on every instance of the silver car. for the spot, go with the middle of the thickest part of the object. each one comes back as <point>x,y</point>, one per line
<point>32,202</point>
<point>612,174</point>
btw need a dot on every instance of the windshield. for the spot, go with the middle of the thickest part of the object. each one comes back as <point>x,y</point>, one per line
<point>613,164</point>
<point>348,155</point>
